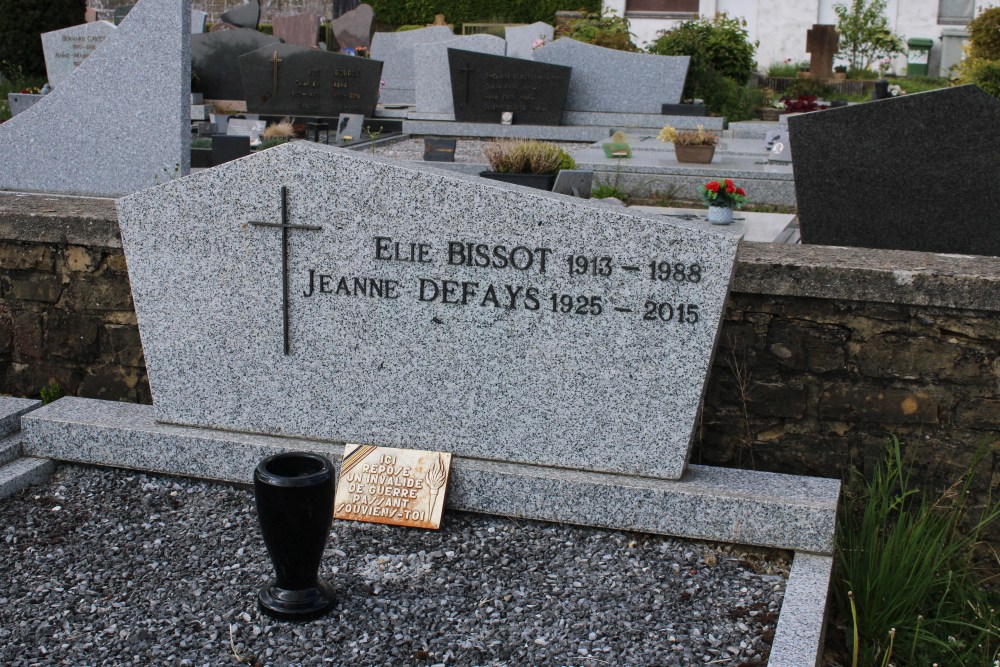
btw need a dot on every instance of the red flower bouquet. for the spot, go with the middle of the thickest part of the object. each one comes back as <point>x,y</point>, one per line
<point>723,193</point>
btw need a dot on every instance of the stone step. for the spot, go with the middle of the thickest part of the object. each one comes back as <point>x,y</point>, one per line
<point>22,473</point>
<point>10,449</point>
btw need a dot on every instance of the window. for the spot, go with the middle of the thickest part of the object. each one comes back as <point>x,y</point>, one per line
<point>662,6</point>
<point>955,11</point>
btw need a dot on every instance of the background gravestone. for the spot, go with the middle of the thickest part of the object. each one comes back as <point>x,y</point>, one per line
<point>215,60</point>
<point>349,127</point>
<point>354,28</point>
<point>395,49</point>
<point>299,29</point>
<point>121,12</point>
<point>244,16</point>
<point>198,19</point>
<point>490,363</point>
<point>136,89</point>
<point>308,82</point>
<point>616,81</point>
<point>65,49</point>
<point>485,86</point>
<point>433,81</point>
<point>910,173</point>
<point>520,39</point>
<point>822,42</point>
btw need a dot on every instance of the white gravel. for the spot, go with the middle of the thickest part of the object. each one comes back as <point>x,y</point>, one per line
<point>114,567</point>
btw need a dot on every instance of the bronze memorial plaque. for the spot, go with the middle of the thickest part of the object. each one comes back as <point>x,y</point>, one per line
<point>403,487</point>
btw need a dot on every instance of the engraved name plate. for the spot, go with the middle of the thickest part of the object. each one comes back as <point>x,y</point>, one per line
<point>402,487</point>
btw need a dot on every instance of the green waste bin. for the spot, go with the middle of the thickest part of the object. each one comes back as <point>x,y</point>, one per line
<point>919,54</point>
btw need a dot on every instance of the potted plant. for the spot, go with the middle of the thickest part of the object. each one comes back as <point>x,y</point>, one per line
<point>840,73</point>
<point>722,197</point>
<point>692,146</point>
<point>530,163</point>
<point>221,111</point>
<point>618,146</point>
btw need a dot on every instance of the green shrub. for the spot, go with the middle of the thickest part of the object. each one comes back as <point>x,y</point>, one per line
<point>865,35</point>
<point>21,29</point>
<point>517,156</point>
<point>607,30</point>
<point>808,88</point>
<point>51,392</point>
<point>721,44</point>
<point>457,12</point>
<point>984,35</point>
<point>983,73</point>
<point>786,70</point>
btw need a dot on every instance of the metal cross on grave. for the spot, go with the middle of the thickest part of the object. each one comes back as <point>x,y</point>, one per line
<point>284,227</point>
<point>276,61</point>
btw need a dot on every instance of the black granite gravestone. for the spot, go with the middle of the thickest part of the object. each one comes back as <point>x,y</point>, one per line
<point>439,150</point>
<point>214,60</point>
<point>244,16</point>
<point>289,80</point>
<point>226,148</point>
<point>484,86</point>
<point>910,173</point>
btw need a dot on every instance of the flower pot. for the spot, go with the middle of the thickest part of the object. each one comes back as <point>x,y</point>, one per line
<point>294,496</point>
<point>769,113</point>
<point>538,181</point>
<point>720,215</point>
<point>840,76</point>
<point>694,154</point>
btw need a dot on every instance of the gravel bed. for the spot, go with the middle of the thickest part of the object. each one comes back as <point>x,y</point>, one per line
<point>113,567</point>
<point>467,150</point>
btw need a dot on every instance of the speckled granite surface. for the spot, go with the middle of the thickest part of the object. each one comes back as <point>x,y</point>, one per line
<point>522,360</point>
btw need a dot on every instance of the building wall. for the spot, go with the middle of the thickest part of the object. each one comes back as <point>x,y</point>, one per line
<point>824,352</point>
<point>781,25</point>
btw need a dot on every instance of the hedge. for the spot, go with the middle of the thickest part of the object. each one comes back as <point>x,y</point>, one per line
<point>23,23</point>
<point>404,12</point>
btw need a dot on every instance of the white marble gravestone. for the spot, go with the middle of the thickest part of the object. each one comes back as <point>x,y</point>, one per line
<point>425,309</point>
<point>606,80</point>
<point>395,50</point>
<point>120,122</point>
<point>433,78</point>
<point>66,49</point>
<point>521,39</point>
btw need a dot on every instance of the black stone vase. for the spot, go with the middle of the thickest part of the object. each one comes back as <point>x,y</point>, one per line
<point>294,494</point>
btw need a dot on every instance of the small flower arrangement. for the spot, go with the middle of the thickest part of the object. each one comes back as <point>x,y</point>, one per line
<point>725,194</point>
<point>697,137</point>
<point>896,91</point>
<point>538,43</point>
<point>31,90</point>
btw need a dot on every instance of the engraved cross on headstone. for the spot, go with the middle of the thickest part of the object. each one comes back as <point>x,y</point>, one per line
<point>284,227</point>
<point>276,61</point>
<point>465,69</point>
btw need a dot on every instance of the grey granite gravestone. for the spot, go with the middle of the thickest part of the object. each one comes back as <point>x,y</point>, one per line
<point>244,16</point>
<point>395,49</point>
<point>433,81</point>
<point>574,182</point>
<point>907,173</point>
<point>521,39</point>
<point>298,29</point>
<point>485,87</point>
<point>198,19</point>
<point>282,79</point>
<point>136,89</point>
<point>607,80</point>
<point>215,60</point>
<point>350,126</point>
<point>353,29</point>
<point>18,102</point>
<point>65,49</point>
<point>779,149</point>
<point>569,334</point>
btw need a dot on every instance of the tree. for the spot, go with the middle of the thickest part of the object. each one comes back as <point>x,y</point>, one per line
<point>865,35</point>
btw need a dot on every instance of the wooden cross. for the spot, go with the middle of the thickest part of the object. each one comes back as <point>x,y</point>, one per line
<point>276,61</point>
<point>284,227</point>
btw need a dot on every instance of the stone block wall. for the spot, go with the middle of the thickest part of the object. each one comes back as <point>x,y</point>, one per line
<point>824,353</point>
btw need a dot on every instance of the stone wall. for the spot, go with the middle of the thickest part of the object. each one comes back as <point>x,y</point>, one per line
<point>825,352</point>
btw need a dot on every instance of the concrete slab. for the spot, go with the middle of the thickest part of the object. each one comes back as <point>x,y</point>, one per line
<point>761,227</point>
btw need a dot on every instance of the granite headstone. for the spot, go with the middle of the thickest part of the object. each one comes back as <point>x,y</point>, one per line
<point>83,139</point>
<point>298,29</point>
<point>395,49</point>
<point>779,149</point>
<point>65,49</point>
<point>484,87</point>
<point>226,148</point>
<point>908,173</point>
<point>607,80</point>
<point>822,42</point>
<point>574,182</point>
<point>282,79</point>
<point>198,19</point>
<point>18,102</point>
<point>433,80</point>
<point>215,60</point>
<point>446,312</point>
<point>521,39</point>
<point>349,127</point>
<point>353,29</point>
<point>244,16</point>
